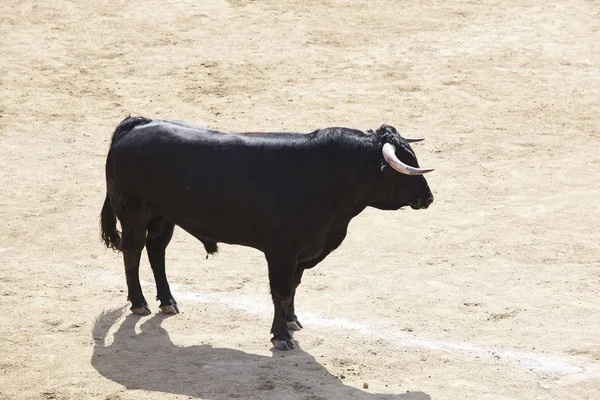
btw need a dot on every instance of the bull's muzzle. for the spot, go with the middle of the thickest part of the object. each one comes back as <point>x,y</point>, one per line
<point>422,204</point>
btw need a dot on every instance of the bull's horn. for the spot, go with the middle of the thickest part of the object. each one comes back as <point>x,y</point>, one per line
<point>389,154</point>
<point>412,140</point>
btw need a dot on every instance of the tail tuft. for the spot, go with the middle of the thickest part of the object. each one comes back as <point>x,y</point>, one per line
<point>108,226</point>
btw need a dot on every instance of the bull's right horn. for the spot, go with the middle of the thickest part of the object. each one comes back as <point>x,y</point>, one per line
<point>389,154</point>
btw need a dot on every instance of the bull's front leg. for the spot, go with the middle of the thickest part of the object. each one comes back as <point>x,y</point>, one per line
<point>334,238</point>
<point>292,320</point>
<point>282,268</point>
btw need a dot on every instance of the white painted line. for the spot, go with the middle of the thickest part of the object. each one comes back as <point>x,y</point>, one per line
<point>577,368</point>
<point>572,368</point>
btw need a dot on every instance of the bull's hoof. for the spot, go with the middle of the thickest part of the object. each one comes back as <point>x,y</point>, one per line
<point>169,310</point>
<point>282,344</point>
<point>140,310</point>
<point>293,326</point>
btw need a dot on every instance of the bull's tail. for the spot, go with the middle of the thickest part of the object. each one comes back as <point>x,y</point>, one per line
<point>108,226</point>
<point>102,325</point>
<point>108,219</point>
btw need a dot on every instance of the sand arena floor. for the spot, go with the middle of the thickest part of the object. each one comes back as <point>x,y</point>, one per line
<point>492,293</point>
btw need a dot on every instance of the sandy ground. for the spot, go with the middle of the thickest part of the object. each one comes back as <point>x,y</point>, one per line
<point>492,293</point>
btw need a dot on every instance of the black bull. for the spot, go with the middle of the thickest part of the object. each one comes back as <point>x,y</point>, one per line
<point>289,195</point>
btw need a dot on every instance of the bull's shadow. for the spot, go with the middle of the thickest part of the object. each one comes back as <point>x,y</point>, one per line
<point>150,361</point>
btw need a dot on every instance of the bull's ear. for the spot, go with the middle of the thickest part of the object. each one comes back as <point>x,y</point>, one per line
<point>387,134</point>
<point>387,129</point>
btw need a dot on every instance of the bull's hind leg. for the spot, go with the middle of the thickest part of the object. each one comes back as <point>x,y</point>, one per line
<point>160,232</point>
<point>132,244</point>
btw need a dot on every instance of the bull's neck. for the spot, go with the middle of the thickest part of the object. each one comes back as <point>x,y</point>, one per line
<point>360,162</point>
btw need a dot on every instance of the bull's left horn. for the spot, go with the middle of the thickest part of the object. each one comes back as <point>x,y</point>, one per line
<point>413,140</point>
<point>389,154</point>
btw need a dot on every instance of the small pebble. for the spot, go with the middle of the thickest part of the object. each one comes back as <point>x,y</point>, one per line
<point>365,385</point>
<point>342,377</point>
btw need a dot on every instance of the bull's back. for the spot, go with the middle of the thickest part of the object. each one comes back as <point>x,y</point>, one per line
<point>207,181</point>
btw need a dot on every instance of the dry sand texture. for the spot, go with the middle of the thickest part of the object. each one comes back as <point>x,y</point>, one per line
<point>492,293</point>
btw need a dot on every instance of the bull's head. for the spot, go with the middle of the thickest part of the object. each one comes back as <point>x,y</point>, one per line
<point>403,184</point>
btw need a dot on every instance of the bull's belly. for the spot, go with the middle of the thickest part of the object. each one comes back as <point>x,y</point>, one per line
<point>218,234</point>
<point>260,236</point>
